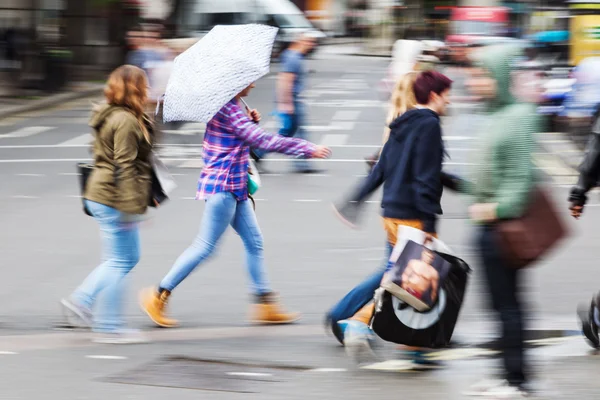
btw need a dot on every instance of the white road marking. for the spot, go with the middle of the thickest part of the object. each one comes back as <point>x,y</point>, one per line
<point>190,162</point>
<point>346,115</point>
<point>8,353</point>
<point>101,357</point>
<point>186,132</point>
<point>307,200</point>
<point>179,174</point>
<point>333,139</point>
<point>18,196</point>
<point>69,174</point>
<point>328,370</point>
<point>33,175</point>
<point>250,374</point>
<point>74,196</point>
<point>82,140</point>
<point>187,198</point>
<point>27,131</point>
<point>391,365</point>
<point>453,138</point>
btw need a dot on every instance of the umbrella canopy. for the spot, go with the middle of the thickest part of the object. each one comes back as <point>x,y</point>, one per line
<point>217,68</point>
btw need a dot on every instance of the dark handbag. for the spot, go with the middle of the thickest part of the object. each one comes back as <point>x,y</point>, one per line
<point>526,239</point>
<point>162,182</point>
<point>84,171</point>
<point>397,322</point>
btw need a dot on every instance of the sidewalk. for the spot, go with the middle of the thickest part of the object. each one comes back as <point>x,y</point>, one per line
<point>10,106</point>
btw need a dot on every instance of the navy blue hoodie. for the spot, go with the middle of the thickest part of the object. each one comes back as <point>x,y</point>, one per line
<point>410,169</point>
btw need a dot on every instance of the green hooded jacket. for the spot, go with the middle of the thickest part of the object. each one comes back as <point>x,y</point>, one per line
<point>122,174</point>
<point>505,173</point>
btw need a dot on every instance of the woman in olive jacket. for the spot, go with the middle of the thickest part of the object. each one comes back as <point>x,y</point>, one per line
<point>117,192</point>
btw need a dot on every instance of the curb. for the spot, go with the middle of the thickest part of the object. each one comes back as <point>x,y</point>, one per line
<point>50,101</point>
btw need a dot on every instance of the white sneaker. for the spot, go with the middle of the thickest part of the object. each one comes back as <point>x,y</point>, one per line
<point>357,343</point>
<point>125,336</point>
<point>496,389</point>
<point>76,315</point>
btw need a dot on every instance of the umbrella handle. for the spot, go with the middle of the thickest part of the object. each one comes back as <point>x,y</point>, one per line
<point>247,106</point>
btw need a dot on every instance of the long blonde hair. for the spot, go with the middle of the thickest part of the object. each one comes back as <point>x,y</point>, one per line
<point>127,87</point>
<point>403,99</point>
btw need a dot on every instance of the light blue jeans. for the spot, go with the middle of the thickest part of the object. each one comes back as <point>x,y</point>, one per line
<point>121,252</point>
<point>292,126</point>
<point>222,209</point>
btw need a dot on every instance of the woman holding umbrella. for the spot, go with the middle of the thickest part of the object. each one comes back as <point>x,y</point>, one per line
<point>223,185</point>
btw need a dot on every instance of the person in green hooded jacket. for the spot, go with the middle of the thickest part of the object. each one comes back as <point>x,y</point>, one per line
<point>501,185</point>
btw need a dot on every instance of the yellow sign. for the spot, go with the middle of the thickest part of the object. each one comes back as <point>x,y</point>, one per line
<point>585,37</point>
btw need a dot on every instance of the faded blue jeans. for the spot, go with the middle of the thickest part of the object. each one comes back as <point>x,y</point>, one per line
<point>291,126</point>
<point>222,209</point>
<point>121,252</point>
<point>358,297</point>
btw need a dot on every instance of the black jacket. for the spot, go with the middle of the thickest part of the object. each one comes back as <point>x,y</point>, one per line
<point>589,170</point>
<point>410,169</point>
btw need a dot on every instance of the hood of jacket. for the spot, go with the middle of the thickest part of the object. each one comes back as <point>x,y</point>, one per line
<point>100,113</point>
<point>413,117</point>
<point>498,61</point>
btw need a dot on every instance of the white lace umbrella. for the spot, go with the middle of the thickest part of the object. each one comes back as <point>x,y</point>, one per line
<point>214,70</point>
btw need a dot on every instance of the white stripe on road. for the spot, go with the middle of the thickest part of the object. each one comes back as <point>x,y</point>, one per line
<point>249,374</point>
<point>188,132</point>
<point>308,200</point>
<point>333,139</point>
<point>8,353</point>
<point>82,140</point>
<point>27,131</point>
<point>101,357</point>
<point>32,175</point>
<point>346,115</point>
<point>18,196</point>
<point>192,162</point>
<point>328,370</point>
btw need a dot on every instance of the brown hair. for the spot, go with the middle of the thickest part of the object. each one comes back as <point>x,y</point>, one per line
<point>127,87</point>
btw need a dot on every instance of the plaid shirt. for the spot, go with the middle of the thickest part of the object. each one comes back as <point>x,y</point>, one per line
<point>227,141</point>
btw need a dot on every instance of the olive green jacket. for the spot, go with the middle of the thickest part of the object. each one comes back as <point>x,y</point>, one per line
<point>121,178</point>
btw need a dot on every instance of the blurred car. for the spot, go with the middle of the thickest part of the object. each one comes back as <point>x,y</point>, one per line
<point>200,16</point>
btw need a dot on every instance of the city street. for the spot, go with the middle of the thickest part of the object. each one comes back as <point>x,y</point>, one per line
<point>48,246</point>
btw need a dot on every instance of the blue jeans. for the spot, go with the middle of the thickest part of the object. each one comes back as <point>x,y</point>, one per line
<point>291,126</point>
<point>222,209</point>
<point>361,295</point>
<point>121,252</point>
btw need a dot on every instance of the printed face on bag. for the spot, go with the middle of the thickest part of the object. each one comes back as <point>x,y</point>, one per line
<point>420,278</point>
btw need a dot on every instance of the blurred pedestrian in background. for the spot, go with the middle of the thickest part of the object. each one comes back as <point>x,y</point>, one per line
<point>117,191</point>
<point>589,176</point>
<point>223,185</point>
<point>290,108</point>
<point>502,186</point>
<point>410,171</point>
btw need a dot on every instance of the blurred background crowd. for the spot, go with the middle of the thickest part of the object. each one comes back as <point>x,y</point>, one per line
<point>47,44</point>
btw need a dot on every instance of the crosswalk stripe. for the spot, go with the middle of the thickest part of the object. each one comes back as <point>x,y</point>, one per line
<point>346,115</point>
<point>334,139</point>
<point>84,139</point>
<point>27,131</point>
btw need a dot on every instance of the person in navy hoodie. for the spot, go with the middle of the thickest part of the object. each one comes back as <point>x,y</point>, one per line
<point>410,170</point>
